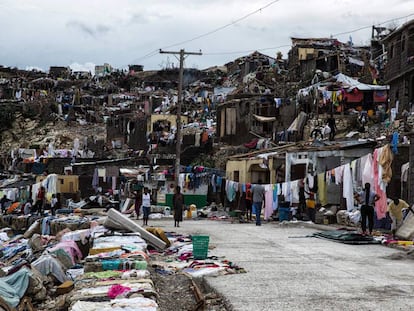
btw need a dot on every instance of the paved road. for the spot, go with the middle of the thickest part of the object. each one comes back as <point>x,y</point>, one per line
<point>287,271</point>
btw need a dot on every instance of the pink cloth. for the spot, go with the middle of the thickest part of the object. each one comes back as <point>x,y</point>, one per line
<point>69,247</point>
<point>116,290</point>
<point>381,204</point>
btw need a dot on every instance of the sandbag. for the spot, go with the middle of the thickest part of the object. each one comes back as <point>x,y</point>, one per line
<point>161,234</point>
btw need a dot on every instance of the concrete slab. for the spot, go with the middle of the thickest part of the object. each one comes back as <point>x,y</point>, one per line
<point>286,270</point>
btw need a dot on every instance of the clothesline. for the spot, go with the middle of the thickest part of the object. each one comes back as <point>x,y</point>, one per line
<point>373,168</point>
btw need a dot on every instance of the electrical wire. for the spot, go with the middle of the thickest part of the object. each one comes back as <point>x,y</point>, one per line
<point>224,26</point>
<point>154,52</point>
<point>289,45</point>
<point>247,51</point>
<point>366,27</point>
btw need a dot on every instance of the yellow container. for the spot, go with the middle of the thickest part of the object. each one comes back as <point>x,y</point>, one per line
<point>190,211</point>
<point>405,243</point>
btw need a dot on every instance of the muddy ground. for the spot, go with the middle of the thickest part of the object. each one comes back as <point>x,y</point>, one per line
<point>181,292</point>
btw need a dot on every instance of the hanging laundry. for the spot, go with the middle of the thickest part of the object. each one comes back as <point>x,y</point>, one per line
<point>268,210</point>
<point>288,192</point>
<point>367,170</point>
<point>218,183</point>
<point>322,195</point>
<point>404,171</point>
<point>311,180</point>
<point>275,196</point>
<point>394,142</point>
<point>385,160</point>
<point>102,172</point>
<point>348,189</point>
<point>213,183</point>
<point>231,188</point>
<point>381,203</point>
<point>294,190</point>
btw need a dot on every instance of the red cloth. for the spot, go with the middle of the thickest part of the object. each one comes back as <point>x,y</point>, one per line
<point>355,96</point>
<point>252,144</point>
<point>380,96</point>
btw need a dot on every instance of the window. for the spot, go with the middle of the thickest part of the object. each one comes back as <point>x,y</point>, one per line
<point>392,50</point>
<point>236,176</point>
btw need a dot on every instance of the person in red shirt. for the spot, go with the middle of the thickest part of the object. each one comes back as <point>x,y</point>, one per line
<point>249,202</point>
<point>40,200</point>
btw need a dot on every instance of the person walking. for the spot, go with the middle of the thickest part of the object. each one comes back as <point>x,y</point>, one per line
<point>258,195</point>
<point>367,198</point>
<point>146,206</point>
<point>138,202</point>
<point>178,202</point>
<point>394,210</point>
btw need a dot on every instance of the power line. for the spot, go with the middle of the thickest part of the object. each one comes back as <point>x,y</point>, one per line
<point>288,45</point>
<point>155,52</point>
<point>182,54</point>
<point>366,27</point>
<point>247,51</point>
<point>223,27</point>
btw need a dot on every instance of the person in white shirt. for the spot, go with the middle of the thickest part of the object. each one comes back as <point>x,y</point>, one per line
<point>146,206</point>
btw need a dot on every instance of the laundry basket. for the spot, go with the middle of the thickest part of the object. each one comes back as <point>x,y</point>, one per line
<point>200,246</point>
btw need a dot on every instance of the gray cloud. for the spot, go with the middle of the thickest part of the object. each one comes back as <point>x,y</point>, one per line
<point>146,17</point>
<point>93,31</point>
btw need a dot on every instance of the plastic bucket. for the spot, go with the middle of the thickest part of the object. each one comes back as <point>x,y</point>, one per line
<point>284,213</point>
<point>200,246</point>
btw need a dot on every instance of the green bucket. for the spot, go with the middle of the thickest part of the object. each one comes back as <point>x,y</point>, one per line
<point>200,246</point>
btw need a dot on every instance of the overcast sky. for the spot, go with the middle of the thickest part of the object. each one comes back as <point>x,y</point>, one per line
<point>80,33</point>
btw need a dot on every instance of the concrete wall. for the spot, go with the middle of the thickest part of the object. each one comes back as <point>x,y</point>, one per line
<point>399,72</point>
<point>170,118</point>
<point>250,171</point>
<point>65,183</point>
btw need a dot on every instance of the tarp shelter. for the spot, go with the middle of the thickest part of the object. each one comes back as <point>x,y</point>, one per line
<point>350,84</point>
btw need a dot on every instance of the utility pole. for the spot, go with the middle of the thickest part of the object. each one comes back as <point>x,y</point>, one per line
<point>182,54</point>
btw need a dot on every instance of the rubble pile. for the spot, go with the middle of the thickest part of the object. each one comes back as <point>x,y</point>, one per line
<point>84,263</point>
